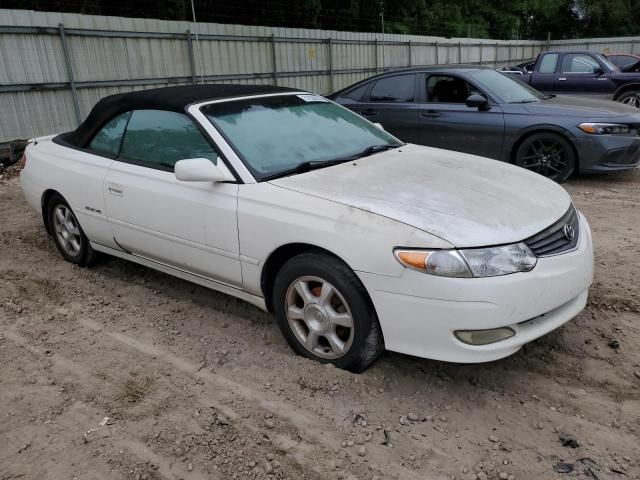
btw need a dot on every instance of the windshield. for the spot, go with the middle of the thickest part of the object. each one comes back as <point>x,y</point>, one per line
<point>276,134</point>
<point>505,88</point>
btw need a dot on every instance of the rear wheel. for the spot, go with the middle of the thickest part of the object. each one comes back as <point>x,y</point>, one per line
<point>68,236</point>
<point>325,314</point>
<point>548,154</point>
<point>631,98</point>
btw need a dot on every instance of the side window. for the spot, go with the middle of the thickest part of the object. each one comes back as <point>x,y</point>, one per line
<point>159,138</point>
<point>447,89</point>
<point>577,63</point>
<point>399,88</point>
<point>356,93</point>
<point>107,141</point>
<point>548,63</point>
<point>622,60</point>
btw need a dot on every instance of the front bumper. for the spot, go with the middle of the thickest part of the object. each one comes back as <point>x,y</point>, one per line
<point>419,313</point>
<point>607,153</point>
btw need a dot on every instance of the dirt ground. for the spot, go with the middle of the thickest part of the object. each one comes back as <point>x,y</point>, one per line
<point>196,384</point>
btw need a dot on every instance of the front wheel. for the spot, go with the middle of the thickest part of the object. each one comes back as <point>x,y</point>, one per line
<point>548,154</point>
<point>631,98</point>
<point>325,314</point>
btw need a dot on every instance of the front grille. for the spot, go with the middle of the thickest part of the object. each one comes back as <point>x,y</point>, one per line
<point>557,238</point>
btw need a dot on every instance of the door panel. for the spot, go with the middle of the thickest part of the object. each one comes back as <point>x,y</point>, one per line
<point>399,119</point>
<point>188,225</point>
<point>392,103</point>
<point>577,76</point>
<point>463,129</point>
<point>447,122</point>
<point>545,77</point>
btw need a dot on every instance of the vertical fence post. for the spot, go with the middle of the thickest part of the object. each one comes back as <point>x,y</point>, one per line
<point>377,47</point>
<point>330,57</point>
<point>192,62</point>
<point>72,82</point>
<point>459,52</point>
<point>409,47</point>
<point>437,61</point>
<point>587,45</point>
<point>274,59</point>
<point>509,53</point>
<point>497,51</point>
<point>480,62</point>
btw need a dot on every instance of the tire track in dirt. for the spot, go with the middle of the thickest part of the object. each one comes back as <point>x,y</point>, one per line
<point>295,420</point>
<point>85,377</point>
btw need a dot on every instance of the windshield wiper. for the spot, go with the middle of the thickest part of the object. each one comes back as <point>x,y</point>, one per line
<point>527,101</point>
<point>302,168</point>
<point>370,151</point>
<point>313,165</point>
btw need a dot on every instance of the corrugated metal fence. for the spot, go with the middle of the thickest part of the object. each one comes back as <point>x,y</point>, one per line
<point>55,66</point>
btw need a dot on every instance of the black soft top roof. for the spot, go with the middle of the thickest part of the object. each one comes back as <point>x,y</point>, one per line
<point>175,99</point>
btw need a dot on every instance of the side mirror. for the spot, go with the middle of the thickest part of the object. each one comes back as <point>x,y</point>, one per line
<point>379,125</point>
<point>475,100</point>
<point>598,71</point>
<point>202,170</point>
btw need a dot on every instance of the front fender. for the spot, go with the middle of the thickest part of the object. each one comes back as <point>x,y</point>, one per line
<point>271,216</point>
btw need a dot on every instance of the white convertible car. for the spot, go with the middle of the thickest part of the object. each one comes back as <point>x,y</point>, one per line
<point>357,241</point>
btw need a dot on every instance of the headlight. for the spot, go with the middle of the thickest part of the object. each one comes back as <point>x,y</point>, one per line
<point>494,261</point>
<point>604,128</point>
<point>472,262</point>
<point>445,263</point>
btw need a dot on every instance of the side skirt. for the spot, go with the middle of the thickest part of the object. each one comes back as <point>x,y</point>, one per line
<point>190,277</point>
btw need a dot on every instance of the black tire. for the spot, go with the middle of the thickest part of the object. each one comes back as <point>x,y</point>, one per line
<point>548,154</point>
<point>84,254</point>
<point>631,98</point>
<point>364,338</point>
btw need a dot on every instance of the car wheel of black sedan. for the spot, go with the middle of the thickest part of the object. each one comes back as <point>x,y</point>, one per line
<point>631,98</point>
<point>548,154</point>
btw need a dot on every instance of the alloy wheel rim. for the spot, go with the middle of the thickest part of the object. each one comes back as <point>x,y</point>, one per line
<point>632,101</point>
<point>67,230</point>
<point>319,317</point>
<point>546,157</point>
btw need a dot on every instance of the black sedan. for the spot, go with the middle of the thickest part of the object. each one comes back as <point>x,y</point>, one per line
<point>484,112</point>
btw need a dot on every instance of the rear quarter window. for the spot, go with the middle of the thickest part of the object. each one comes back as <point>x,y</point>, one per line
<point>108,140</point>
<point>399,88</point>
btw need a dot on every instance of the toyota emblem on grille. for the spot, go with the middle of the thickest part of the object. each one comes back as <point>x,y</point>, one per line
<point>569,232</point>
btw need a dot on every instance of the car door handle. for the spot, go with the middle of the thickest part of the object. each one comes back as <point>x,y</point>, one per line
<point>562,79</point>
<point>369,112</point>
<point>430,114</point>
<point>115,189</point>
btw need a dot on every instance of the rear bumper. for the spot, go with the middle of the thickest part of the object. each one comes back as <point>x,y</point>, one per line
<point>419,313</point>
<point>607,153</point>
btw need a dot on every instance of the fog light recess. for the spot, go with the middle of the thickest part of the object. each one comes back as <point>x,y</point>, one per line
<point>484,337</point>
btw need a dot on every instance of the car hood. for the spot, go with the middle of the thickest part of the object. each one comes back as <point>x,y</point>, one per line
<point>570,106</point>
<point>466,200</point>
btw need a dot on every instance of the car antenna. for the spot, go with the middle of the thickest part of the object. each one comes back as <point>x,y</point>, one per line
<point>195,28</point>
